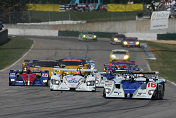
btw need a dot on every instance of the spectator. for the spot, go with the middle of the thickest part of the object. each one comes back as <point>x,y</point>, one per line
<point>1,26</point>
<point>130,2</point>
<point>172,6</point>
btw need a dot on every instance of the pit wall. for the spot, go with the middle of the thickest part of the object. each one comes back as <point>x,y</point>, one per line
<point>3,36</point>
<point>137,28</point>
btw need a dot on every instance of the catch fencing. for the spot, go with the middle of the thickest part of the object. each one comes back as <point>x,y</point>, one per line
<point>54,12</point>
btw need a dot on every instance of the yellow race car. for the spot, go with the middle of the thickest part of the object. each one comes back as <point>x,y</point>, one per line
<point>41,65</point>
<point>73,64</point>
<point>119,55</point>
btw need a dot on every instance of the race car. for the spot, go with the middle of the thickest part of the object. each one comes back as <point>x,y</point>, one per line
<point>74,63</point>
<point>121,66</point>
<point>119,55</point>
<point>27,77</point>
<point>117,38</point>
<point>87,36</point>
<point>41,65</point>
<point>109,69</point>
<point>131,42</point>
<point>145,85</point>
<point>73,81</point>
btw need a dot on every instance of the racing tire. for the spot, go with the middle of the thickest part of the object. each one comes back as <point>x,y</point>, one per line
<point>51,90</point>
<point>159,93</point>
<point>104,94</point>
<point>161,96</point>
<point>49,82</point>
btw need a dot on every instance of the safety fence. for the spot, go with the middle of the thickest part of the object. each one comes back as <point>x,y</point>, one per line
<point>110,7</point>
<point>37,13</point>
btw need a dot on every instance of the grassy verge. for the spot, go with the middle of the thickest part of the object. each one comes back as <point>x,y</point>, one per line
<point>166,59</point>
<point>13,50</point>
<point>44,16</point>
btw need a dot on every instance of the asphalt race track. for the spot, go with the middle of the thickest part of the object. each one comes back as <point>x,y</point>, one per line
<point>35,102</point>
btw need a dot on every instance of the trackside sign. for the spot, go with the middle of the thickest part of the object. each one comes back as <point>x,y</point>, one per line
<point>159,20</point>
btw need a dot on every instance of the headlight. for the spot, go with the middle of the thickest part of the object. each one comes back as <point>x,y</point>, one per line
<point>150,92</point>
<point>125,43</point>
<point>107,90</point>
<point>45,81</point>
<point>12,80</point>
<point>126,57</point>
<point>95,36</point>
<point>90,83</point>
<point>115,39</point>
<point>97,81</point>
<point>137,43</point>
<point>113,56</point>
<point>57,81</point>
<point>84,36</point>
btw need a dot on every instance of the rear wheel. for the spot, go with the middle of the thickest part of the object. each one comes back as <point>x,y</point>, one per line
<point>159,93</point>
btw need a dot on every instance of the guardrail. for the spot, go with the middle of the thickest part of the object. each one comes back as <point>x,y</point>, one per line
<point>3,36</point>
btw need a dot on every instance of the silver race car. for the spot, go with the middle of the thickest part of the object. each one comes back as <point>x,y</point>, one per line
<point>76,81</point>
<point>146,85</point>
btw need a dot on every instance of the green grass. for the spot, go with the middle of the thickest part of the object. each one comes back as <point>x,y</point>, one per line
<point>13,50</point>
<point>166,59</point>
<point>44,16</point>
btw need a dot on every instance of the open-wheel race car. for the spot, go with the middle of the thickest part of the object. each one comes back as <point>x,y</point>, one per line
<point>27,77</point>
<point>73,81</point>
<point>145,85</point>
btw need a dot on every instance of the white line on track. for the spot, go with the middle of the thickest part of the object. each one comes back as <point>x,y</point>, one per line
<point>19,58</point>
<point>173,83</point>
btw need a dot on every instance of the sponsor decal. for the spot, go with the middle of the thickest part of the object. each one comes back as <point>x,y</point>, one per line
<point>44,75</point>
<point>19,81</point>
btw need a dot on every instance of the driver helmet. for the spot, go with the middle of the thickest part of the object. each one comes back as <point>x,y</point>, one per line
<point>77,73</point>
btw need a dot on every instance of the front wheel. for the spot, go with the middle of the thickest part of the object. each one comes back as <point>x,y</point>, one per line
<point>104,93</point>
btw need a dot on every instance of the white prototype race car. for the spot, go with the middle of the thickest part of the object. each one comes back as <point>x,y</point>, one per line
<point>75,82</point>
<point>145,85</point>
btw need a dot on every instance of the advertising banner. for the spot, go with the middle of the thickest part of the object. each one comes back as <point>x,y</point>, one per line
<point>159,20</point>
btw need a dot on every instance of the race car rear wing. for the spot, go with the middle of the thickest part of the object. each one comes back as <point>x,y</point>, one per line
<point>78,69</point>
<point>128,62</point>
<point>18,71</point>
<point>136,72</point>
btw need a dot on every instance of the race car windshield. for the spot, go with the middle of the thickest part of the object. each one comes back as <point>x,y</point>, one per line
<point>45,64</point>
<point>119,52</point>
<point>119,36</point>
<point>131,40</point>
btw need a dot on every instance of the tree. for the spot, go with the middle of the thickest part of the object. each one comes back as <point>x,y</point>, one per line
<point>9,7</point>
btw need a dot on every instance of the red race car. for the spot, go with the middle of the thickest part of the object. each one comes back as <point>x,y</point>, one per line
<point>131,42</point>
<point>26,77</point>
